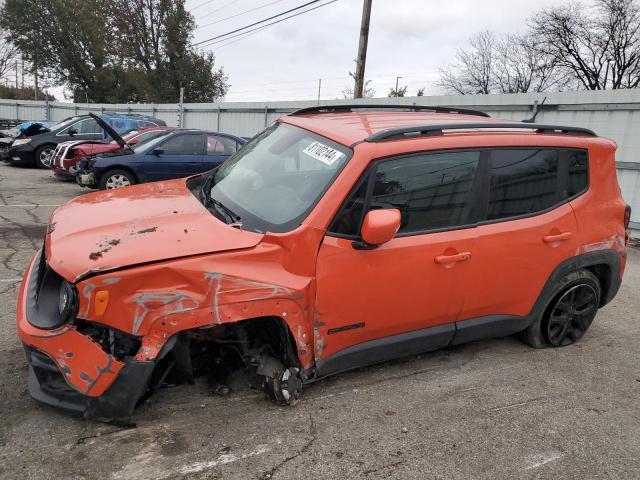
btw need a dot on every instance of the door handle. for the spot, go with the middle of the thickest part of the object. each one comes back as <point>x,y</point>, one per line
<point>458,257</point>
<point>560,237</point>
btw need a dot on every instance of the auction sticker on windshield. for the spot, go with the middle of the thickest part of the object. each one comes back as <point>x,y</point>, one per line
<point>323,152</point>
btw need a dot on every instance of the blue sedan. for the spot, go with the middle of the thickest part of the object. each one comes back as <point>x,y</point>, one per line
<point>179,153</point>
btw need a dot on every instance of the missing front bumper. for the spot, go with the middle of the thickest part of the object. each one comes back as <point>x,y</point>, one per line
<point>47,385</point>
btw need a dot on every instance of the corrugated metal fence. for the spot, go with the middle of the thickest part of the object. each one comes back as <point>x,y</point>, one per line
<point>612,114</point>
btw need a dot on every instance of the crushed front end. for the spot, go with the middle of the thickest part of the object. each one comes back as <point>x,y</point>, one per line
<point>76,365</point>
<point>85,176</point>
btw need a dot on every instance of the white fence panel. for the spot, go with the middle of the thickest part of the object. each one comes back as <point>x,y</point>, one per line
<point>611,114</point>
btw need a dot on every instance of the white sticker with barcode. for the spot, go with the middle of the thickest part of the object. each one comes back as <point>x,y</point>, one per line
<point>323,152</point>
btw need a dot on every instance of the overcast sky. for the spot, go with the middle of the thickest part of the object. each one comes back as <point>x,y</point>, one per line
<point>408,38</point>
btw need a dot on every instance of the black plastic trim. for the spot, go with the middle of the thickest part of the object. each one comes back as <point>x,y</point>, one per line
<point>411,108</point>
<point>437,130</point>
<point>387,348</point>
<point>42,294</point>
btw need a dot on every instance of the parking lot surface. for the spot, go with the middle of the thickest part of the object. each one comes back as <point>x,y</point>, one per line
<point>491,409</point>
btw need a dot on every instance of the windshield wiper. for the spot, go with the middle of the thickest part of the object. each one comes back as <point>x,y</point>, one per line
<point>233,217</point>
<point>208,200</point>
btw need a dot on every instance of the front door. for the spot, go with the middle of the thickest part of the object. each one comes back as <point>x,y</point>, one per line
<point>404,296</point>
<point>181,156</point>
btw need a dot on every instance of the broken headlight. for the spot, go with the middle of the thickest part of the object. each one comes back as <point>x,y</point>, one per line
<point>51,300</point>
<point>67,301</point>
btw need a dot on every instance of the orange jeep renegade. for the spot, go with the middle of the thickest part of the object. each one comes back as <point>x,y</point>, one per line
<point>338,237</point>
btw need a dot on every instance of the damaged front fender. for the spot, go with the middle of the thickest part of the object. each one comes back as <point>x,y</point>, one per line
<point>155,302</point>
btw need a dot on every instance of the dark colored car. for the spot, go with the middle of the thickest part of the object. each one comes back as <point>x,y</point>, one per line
<point>65,158</point>
<point>178,154</point>
<point>36,143</point>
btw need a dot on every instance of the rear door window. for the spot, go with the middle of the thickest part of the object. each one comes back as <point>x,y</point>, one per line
<point>528,181</point>
<point>218,145</point>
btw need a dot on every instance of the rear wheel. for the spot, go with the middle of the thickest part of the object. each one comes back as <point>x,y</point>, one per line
<point>44,156</point>
<point>116,179</point>
<point>570,313</point>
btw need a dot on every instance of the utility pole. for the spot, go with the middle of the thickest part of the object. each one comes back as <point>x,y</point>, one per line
<point>362,49</point>
<point>181,109</point>
<point>35,76</point>
<point>17,77</point>
<point>319,88</point>
<point>397,78</point>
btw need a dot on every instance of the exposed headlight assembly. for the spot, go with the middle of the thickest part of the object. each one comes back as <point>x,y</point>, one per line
<point>67,301</point>
<point>51,300</point>
<point>21,141</point>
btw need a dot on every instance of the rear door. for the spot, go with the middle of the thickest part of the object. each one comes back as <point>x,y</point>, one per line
<point>405,295</point>
<point>529,228</point>
<point>181,155</point>
<point>218,149</point>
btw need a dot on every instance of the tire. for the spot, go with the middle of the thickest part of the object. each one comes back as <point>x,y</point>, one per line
<point>573,306</point>
<point>43,155</point>
<point>113,179</point>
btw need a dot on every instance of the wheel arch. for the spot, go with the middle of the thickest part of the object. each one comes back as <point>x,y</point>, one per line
<point>604,264</point>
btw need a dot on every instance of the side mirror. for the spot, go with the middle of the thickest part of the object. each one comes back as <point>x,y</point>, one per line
<point>133,141</point>
<point>380,226</point>
<point>157,151</point>
<point>73,131</point>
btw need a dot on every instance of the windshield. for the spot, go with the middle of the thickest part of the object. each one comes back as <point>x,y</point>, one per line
<point>149,142</point>
<point>275,180</point>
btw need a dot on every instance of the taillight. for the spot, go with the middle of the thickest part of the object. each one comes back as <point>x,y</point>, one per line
<point>627,216</point>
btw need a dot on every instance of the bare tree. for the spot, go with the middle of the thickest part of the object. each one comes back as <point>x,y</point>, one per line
<point>599,47</point>
<point>8,57</point>
<point>520,66</point>
<point>502,64</point>
<point>472,72</point>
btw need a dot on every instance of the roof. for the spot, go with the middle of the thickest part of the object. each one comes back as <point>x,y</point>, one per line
<point>350,127</point>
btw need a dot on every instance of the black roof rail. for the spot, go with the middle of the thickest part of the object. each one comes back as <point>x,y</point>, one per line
<point>411,108</point>
<point>433,130</point>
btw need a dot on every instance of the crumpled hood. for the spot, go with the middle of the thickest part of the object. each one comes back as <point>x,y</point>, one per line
<point>135,225</point>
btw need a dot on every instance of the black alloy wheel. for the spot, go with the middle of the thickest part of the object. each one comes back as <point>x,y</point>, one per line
<point>572,315</point>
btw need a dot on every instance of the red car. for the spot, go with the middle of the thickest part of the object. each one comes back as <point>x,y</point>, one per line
<point>67,154</point>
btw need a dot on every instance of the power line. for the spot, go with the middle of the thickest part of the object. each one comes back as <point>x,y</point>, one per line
<point>210,43</point>
<point>245,35</point>
<point>219,8</point>
<point>201,5</point>
<point>256,23</point>
<point>239,14</point>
